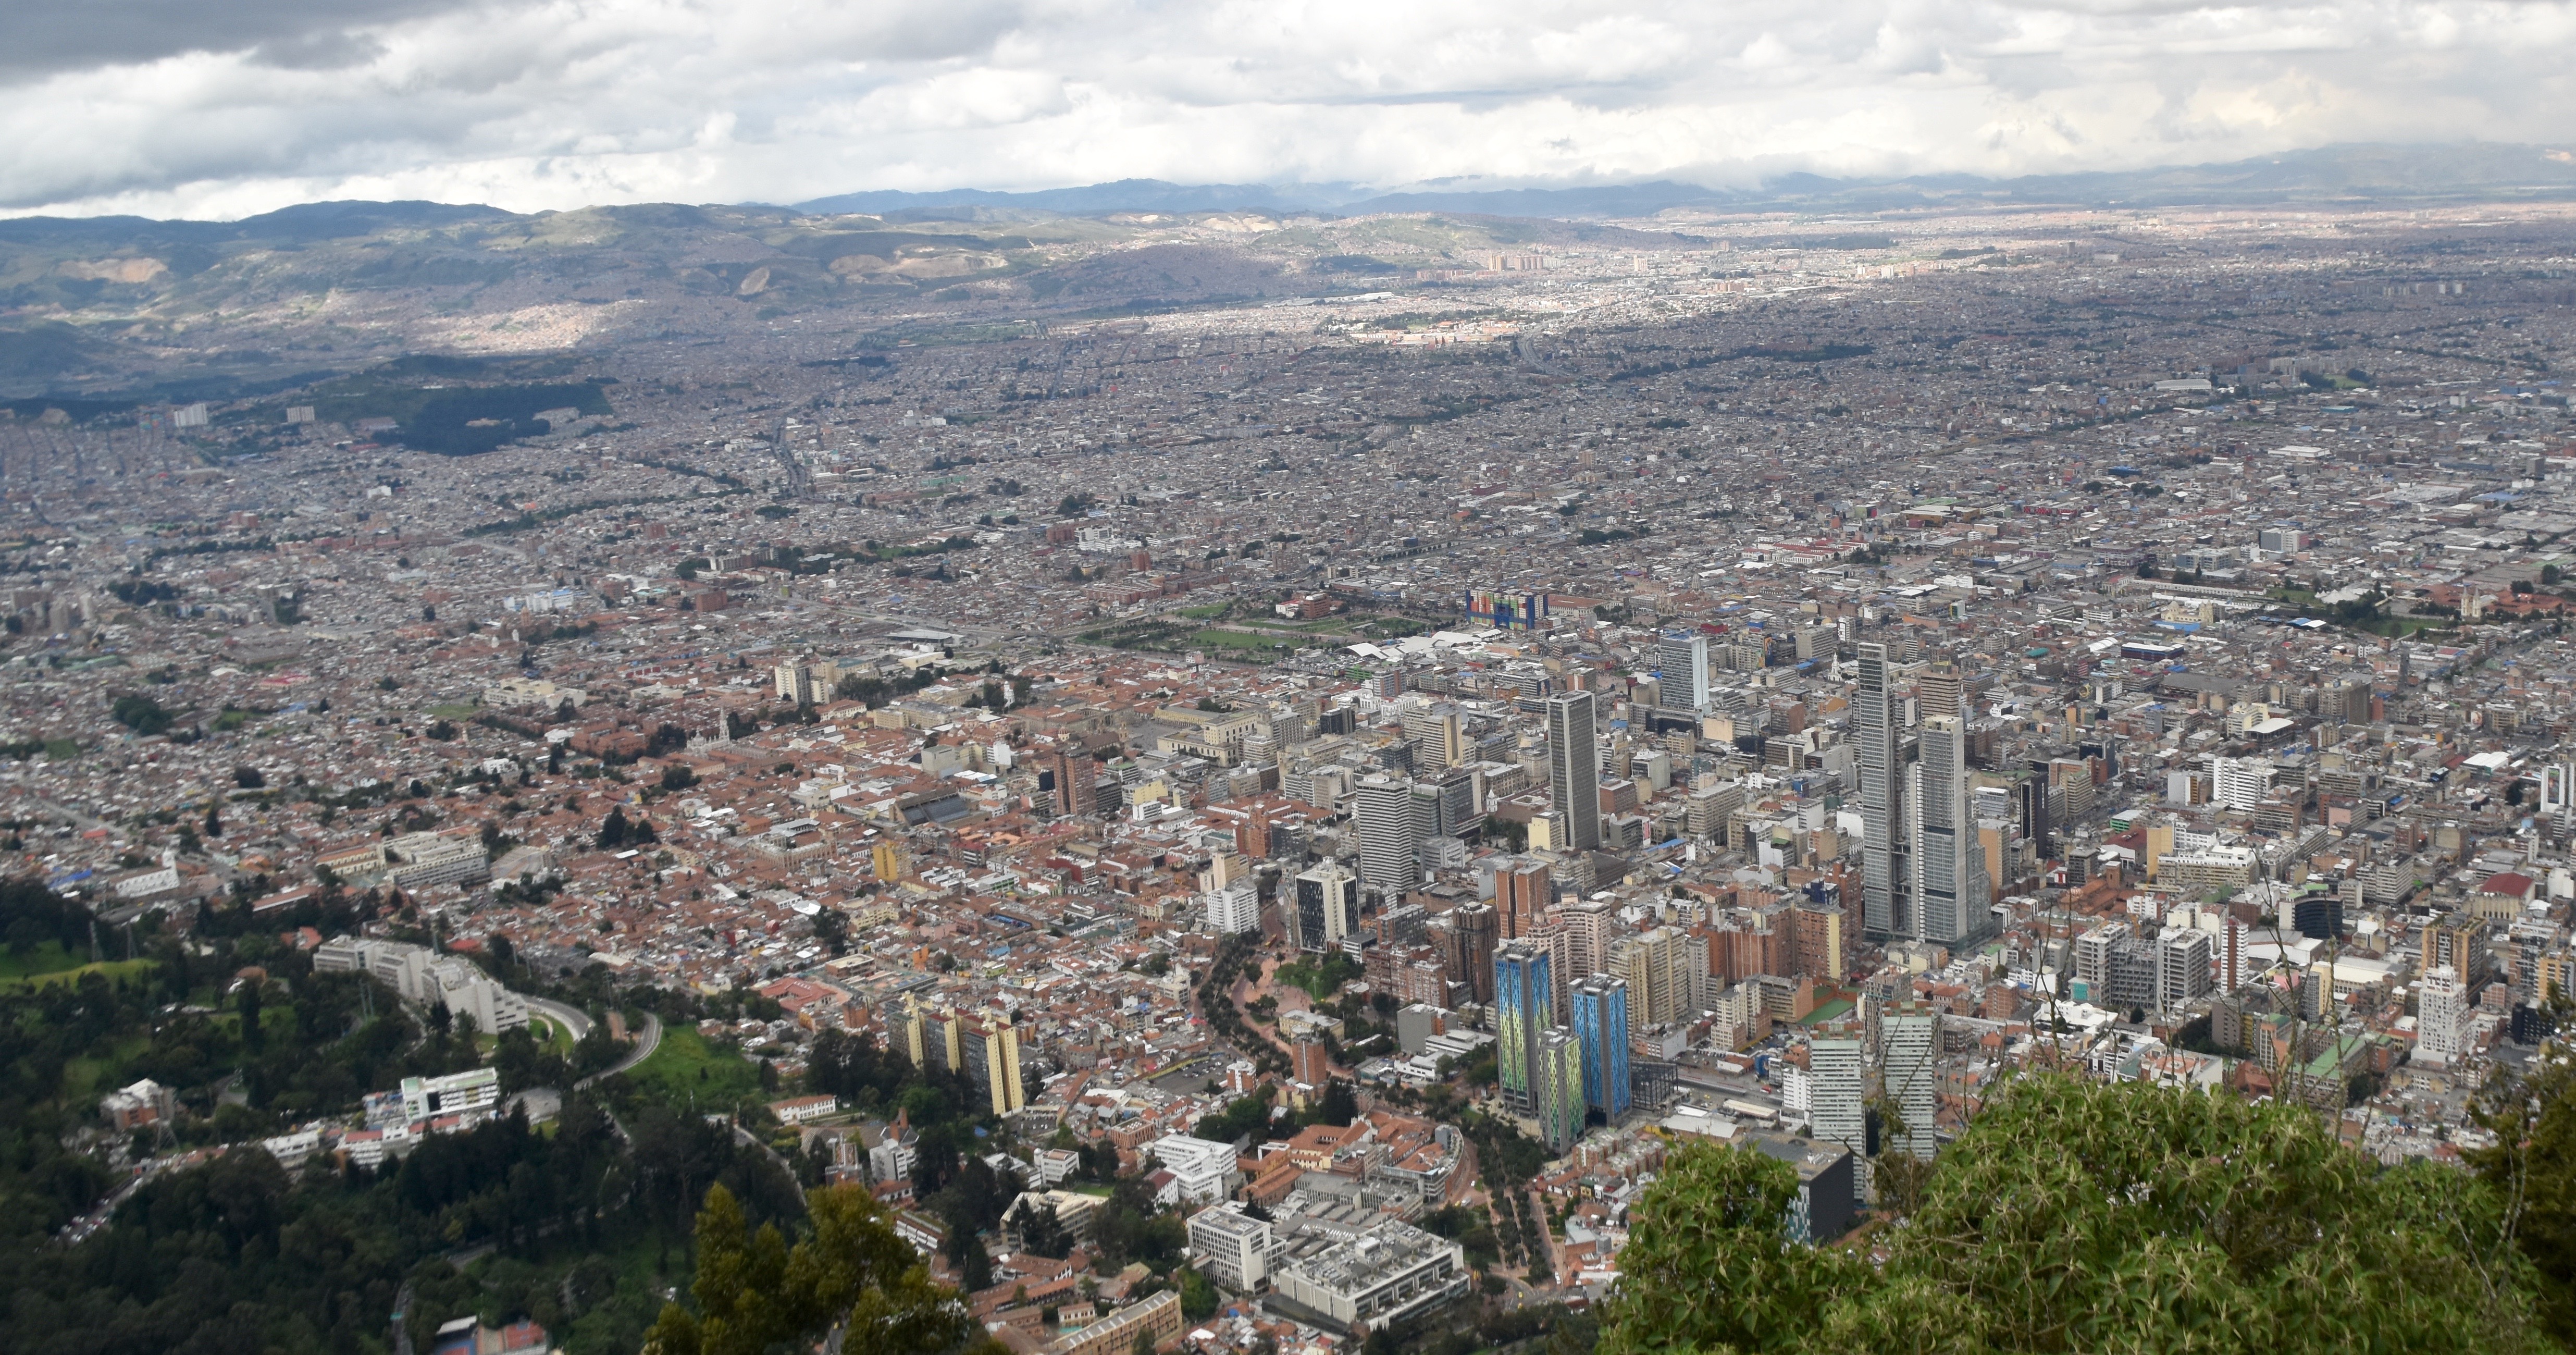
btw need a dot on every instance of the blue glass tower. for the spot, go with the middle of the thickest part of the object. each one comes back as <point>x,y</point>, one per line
<point>1524,1008</point>
<point>1600,1009</point>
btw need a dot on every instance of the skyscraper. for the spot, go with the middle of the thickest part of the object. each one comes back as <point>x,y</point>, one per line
<point>1391,834</point>
<point>1836,1112</point>
<point>1524,1009</point>
<point>1437,729</point>
<point>1651,964</point>
<point>1560,1107</point>
<point>1327,908</point>
<point>1522,895</point>
<point>1601,1024</point>
<point>2440,1003</point>
<point>1878,759</point>
<point>1681,665</point>
<point>1949,866</point>
<point>1472,924</point>
<point>1574,768</point>
<point>1906,1076</point>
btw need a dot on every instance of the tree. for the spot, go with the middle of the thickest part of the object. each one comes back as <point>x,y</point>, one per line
<point>214,822</point>
<point>2079,1216</point>
<point>248,778</point>
<point>141,714</point>
<point>614,832</point>
<point>754,1292</point>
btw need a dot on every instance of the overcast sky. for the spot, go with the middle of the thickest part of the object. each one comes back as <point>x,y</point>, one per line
<point>184,107</point>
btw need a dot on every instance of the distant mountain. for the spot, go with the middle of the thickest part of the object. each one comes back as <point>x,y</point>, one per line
<point>1126,195</point>
<point>2476,170</point>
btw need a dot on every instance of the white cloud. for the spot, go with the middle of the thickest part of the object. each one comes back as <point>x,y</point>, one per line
<point>557,103</point>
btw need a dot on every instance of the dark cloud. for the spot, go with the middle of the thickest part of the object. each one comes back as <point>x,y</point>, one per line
<point>43,37</point>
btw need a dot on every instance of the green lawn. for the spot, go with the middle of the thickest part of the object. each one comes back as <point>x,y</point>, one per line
<point>1206,613</point>
<point>1235,639</point>
<point>455,711</point>
<point>550,1032</point>
<point>686,1068</point>
<point>113,969</point>
<point>44,959</point>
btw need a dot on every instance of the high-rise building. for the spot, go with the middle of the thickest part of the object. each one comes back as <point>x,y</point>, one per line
<point>1837,1101</point>
<point>992,1049</point>
<point>1659,990</point>
<point>2240,782</point>
<point>1949,865</point>
<point>1681,665</point>
<point>1574,768</point>
<point>1522,896</point>
<point>1587,935</point>
<point>1473,927</point>
<point>1232,909</point>
<point>1601,1024</point>
<point>1440,734</point>
<point>2182,968</point>
<point>1560,1106</point>
<point>1391,834</point>
<point>1524,1009</point>
<point>1328,907</point>
<point>2440,1006</point>
<point>1878,760</point>
<point>1907,1079</point>
<point>1938,691</point>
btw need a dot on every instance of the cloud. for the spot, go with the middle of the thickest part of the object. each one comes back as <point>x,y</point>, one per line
<point>170,108</point>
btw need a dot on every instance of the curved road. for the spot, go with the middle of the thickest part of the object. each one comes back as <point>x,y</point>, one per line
<point>645,1044</point>
<point>572,1018</point>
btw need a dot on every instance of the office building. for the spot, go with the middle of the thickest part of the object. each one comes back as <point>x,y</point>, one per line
<point>1681,666</point>
<point>1438,732</point>
<point>1950,891</point>
<point>1391,832</point>
<point>1522,897</point>
<point>1879,764</point>
<point>1907,1079</point>
<point>1837,1100</point>
<point>1524,1009</point>
<point>1233,1248</point>
<point>1561,1107</point>
<point>1574,768</point>
<point>1386,1272</point>
<point>2183,958</point>
<point>1328,908</point>
<point>1600,1005</point>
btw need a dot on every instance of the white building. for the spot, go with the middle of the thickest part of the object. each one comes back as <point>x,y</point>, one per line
<point>471,1091</point>
<point>1233,1248</point>
<point>1382,1275</point>
<point>2441,1007</point>
<point>1233,909</point>
<point>1203,1171</point>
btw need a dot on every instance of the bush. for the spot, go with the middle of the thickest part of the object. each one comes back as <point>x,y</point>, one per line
<point>2077,1216</point>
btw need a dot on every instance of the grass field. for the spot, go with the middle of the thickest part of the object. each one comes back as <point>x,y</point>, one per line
<point>687,1070</point>
<point>113,969</point>
<point>1213,638</point>
<point>44,959</point>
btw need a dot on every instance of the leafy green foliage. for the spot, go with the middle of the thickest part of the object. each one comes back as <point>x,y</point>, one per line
<point>2075,1216</point>
<point>141,714</point>
<point>755,1293</point>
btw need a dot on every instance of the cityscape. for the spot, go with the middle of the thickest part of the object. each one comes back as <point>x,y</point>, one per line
<point>1247,778</point>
